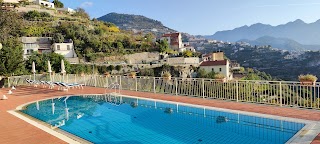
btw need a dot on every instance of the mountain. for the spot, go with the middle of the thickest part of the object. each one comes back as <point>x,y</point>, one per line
<point>298,30</point>
<point>281,43</point>
<point>136,22</point>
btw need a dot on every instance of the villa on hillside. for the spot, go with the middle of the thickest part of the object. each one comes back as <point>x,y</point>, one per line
<point>44,45</point>
<point>66,49</point>
<point>68,10</point>
<point>175,42</point>
<point>216,62</point>
<point>8,5</point>
<point>36,44</point>
<point>46,4</point>
<point>11,5</point>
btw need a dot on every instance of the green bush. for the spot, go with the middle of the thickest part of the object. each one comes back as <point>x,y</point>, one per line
<point>308,77</point>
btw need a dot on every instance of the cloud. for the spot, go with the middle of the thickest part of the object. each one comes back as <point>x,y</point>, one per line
<point>292,4</point>
<point>304,4</point>
<point>268,6</point>
<point>86,4</point>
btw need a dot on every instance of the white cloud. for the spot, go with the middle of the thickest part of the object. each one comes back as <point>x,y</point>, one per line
<point>303,4</point>
<point>86,4</point>
<point>268,6</point>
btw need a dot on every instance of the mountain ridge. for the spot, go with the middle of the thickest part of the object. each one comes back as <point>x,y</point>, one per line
<point>298,30</point>
<point>281,43</point>
<point>135,22</point>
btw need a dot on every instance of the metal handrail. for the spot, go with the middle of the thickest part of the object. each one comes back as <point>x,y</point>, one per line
<point>114,85</point>
<point>280,93</point>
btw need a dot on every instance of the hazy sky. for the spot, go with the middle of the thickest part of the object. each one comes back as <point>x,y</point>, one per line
<point>205,17</point>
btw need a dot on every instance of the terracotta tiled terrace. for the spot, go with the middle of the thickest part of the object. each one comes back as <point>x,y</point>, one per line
<point>15,130</point>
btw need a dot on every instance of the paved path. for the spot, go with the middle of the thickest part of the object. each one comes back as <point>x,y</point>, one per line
<point>16,131</point>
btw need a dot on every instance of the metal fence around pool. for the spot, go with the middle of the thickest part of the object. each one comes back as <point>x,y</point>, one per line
<point>280,93</point>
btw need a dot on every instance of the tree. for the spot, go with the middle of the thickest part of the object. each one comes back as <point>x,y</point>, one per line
<point>201,73</point>
<point>32,14</point>
<point>118,68</point>
<point>11,24</point>
<point>120,47</point>
<point>80,12</point>
<point>58,4</point>
<point>110,67</point>
<point>149,37</point>
<point>11,59</point>
<point>41,61</point>
<point>211,75</point>
<point>58,38</point>
<point>187,53</point>
<point>163,46</point>
<point>147,72</point>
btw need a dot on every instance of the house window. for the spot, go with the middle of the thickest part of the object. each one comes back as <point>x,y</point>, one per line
<point>29,51</point>
<point>212,69</point>
<point>220,69</point>
<point>68,47</point>
<point>58,47</point>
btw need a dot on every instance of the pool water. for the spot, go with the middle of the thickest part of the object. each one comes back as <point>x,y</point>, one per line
<point>120,120</point>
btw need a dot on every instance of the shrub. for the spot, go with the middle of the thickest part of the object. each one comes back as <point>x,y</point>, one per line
<point>308,77</point>
<point>219,76</point>
<point>132,74</point>
<point>166,75</point>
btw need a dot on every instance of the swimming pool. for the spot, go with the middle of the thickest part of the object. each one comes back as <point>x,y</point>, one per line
<point>121,119</point>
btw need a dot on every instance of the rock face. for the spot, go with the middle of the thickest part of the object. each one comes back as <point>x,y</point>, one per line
<point>304,33</point>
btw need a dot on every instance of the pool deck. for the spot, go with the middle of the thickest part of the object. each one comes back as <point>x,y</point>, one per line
<point>16,131</point>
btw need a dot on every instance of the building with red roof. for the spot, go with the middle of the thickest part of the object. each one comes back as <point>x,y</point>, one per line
<point>217,63</point>
<point>174,40</point>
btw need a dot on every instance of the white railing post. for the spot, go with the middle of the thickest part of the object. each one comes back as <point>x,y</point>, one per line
<point>280,93</point>
<point>67,78</point>
<point>237,90</point>
<point>154,84</point>
<point>136,80</point>
<point>106,84</point>
<point>203,88</point>
<point>9,85</point>
<point>119,83</point>
<point>176,84</point>
<point>95,80</point>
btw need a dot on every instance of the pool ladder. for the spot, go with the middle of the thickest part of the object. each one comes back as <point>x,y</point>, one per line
<point>113,99</point>
<point>114,86</point>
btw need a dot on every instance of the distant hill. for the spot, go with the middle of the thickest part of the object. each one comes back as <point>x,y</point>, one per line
<point>281,43</point>
<point>137,22</point>
<point>282,65</point>
<point>298,30</point>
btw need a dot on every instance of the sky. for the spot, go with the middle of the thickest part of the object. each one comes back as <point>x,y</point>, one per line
<point>205,17</point>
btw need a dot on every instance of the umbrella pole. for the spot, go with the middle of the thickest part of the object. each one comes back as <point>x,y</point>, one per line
<point>34,76</point>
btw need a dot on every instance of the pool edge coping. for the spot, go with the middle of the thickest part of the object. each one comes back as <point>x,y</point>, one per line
<point>312,127</point>
<point>46,129</point>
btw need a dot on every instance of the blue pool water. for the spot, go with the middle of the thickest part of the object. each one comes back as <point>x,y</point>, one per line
<point>121,120</point>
